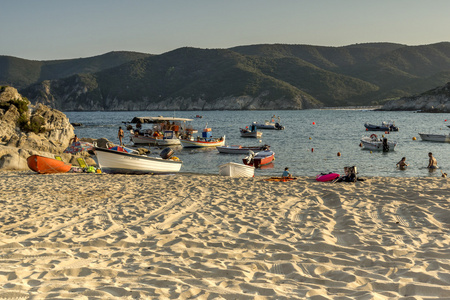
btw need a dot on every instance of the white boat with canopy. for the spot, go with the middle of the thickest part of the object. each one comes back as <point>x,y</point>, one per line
<point>165,131</point>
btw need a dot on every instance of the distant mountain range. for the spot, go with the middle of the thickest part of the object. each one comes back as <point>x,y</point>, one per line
<point>269,76</point>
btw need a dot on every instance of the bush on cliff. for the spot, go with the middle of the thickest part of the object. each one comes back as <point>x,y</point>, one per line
<point>35,124</point>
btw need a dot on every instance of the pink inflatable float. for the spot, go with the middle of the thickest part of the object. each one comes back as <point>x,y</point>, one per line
<point>327,177</point>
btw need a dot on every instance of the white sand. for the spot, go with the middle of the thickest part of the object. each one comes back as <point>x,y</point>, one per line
<point>96,236</point>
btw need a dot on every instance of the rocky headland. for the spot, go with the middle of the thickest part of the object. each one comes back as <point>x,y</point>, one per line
<point>436,100</point>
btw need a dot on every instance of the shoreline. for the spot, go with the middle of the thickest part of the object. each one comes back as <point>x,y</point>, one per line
<point>30,172</point>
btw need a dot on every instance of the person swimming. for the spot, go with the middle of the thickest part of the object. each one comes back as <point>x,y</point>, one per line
<point>402,164</point>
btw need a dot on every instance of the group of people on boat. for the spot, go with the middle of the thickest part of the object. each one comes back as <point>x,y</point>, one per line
<point>158,131</point>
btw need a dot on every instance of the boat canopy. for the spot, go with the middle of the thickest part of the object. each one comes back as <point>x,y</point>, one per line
<point>158,119</point>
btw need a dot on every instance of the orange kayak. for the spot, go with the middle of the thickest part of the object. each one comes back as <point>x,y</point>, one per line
<point>46,165</point>
<point>280,179</point>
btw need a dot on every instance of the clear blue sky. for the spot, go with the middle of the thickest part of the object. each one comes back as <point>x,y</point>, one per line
<point>58,29</point>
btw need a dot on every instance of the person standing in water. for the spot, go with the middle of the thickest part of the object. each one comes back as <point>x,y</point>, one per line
<point>120,134</point>
<point>432,162</point>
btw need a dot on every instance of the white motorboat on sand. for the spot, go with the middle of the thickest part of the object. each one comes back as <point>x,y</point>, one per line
<point>117,162</point>
<point>233,169</point>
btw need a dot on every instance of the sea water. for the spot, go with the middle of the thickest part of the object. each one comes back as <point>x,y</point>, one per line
<point>309,145</point>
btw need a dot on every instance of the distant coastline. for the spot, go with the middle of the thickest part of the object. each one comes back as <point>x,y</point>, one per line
<point>369,107</point>
<point>249,77</point>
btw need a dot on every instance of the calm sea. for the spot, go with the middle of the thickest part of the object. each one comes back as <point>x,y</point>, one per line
<point>327,131</point>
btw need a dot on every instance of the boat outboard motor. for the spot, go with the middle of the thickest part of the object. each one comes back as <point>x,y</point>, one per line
<point>278,126</point>
<point>250,156</point>
<point>166,153</point>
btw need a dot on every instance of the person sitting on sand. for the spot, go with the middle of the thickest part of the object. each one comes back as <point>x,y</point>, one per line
<point>402,163</point>
<point>286,173</point>
<point>432,162</point>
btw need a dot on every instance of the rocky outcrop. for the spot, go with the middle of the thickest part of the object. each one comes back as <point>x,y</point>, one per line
<point>54,136</point>
<point>26,129</point>
<point>436,100</point>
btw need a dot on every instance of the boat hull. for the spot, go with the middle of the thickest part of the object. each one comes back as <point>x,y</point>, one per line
<point>251,134</point>
<point>440,138</point>
<point>270,126</point>
<point>115,162</point>
<point>260,159</point>
<point>238,149</point>
<point>264,126</point>
<point>46,165</point>
<point>232,169</point>
<point>371,127</point>
<point>202,143</point>
<point>147,140</point>
<point>143,140</point>
<point>169,142</point>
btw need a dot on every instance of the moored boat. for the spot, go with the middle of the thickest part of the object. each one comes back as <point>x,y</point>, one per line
<point>250,132</point>
<point>206,140</point>
<point>233,169</point>
<point>259,159</point>
<point>238,149</point>
<point>168,138</point>
<point>164,132</point>
<point>441,138</point>
<point>376,144</point>
<point>46,165</point>
<point>269,124</point>
<point>385,126</point>
<point>111,161</point>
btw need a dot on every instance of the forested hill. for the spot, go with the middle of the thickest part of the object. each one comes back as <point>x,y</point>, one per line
<point>21,73</point>
<point>251,77</point>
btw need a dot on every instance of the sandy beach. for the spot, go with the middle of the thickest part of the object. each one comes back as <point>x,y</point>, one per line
<point>187,236</point>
